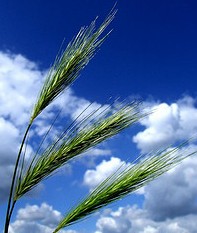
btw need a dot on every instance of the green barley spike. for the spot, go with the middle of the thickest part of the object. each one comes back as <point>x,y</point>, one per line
<point>68,66</point>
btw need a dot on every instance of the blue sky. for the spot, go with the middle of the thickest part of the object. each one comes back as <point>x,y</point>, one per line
<point>151,54</point>
<point>152,43</point>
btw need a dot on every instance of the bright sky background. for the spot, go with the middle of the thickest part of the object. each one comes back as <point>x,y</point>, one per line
<point>152,55</point>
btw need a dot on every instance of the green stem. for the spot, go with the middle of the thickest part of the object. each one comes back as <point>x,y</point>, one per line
<point>9,212</point>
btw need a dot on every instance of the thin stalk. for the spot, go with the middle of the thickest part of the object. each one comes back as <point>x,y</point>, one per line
<point>9,213</point>
<point>11,210</point>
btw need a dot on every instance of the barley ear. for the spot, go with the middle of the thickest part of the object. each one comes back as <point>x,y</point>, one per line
<point>78,142</point>
<point>67,66</point>
<point>125,180</point>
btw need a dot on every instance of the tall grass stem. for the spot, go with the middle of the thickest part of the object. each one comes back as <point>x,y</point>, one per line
<point>8,212</point>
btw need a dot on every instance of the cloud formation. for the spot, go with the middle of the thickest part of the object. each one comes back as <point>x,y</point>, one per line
<point>93,177</point>
<point>168,124</point>
<point>39,219</point>
<point>20,82</point>
<point>19,78</point>
<point>132,219</point>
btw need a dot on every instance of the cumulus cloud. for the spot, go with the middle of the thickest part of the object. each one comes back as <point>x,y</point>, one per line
<point>20,82</point>
<point>39,219</point>
<point>167,124</point>
<point>93,177</point>
<point>19,77</point>
<point>132,219</point>
<point>172,197</point>
<point>170,201</point>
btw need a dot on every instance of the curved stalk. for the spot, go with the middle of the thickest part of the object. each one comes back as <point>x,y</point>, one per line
<point>10,206</point>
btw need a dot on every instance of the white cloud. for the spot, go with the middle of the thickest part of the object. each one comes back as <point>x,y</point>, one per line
<point>169,123</point>
<point>39,219</point>
<point>132,219</point>
<point>9,135</point>
<point>20,82</point>
<point>173,195</point>
<point>93,177</point>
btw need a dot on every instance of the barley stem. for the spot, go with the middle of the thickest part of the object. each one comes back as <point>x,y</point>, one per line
<point>9,207</point>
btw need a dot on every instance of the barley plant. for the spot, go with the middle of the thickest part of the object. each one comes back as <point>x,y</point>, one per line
<point>83,135</point>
